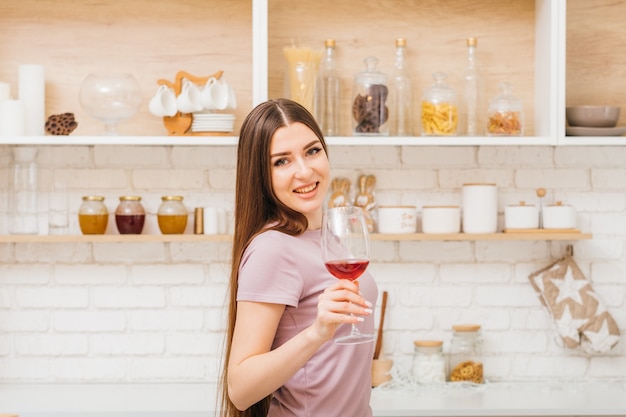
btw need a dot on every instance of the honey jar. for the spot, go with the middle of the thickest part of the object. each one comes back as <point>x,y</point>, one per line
<point>172,215</point>
<point>93,215</point>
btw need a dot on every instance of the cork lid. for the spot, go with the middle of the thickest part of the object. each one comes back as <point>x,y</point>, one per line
<point>466,327</point>
<point>428,343</point>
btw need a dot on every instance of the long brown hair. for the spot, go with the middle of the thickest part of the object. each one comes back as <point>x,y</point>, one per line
<point>256,206</point>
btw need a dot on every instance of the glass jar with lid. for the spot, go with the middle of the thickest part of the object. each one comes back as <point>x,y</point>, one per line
<point>93,215</point>
<point>465,358</point>
<point>440,113</point>
<point>429,366</point>
<point>369,108</point>
<point>172,215</point>
<point>130,215</point>
<point>505,116</point>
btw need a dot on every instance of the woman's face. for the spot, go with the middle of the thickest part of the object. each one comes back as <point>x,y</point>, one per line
<point>300,171</point>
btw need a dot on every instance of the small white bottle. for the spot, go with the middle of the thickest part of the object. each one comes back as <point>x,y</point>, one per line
<point>327,93</point>
<point>402,96</point>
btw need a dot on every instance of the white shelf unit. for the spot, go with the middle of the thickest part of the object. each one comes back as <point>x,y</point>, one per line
<point>550,42</point>
<point>550,34</point>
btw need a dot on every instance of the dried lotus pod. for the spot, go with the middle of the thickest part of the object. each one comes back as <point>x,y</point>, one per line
<point>61,124</point>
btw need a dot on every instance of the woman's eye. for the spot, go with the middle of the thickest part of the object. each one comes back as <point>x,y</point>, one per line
<point>280,162</point>
<point>313,151</point>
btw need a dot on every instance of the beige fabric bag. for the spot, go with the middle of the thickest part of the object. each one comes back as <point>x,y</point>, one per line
<point>580,316</point>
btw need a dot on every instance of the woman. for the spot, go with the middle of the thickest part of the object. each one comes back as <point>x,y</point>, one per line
<point>285,307</point>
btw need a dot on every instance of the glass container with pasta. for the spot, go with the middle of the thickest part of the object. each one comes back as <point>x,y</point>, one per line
<point>440,114</point>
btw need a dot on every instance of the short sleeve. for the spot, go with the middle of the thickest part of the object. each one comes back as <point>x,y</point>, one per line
<point>269,272</point>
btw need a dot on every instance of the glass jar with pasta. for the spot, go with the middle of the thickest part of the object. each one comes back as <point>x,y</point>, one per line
<point>465,358</point>
<point>505,116</point>
<point>440,113</point>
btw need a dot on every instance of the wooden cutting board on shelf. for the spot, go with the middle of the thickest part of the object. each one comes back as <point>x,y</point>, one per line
<point>541,231</point>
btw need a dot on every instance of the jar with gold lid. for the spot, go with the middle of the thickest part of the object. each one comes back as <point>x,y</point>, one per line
<point>465,358</point>
<point>130,215</point>
<point>172,215</point>
<point>93,215</point>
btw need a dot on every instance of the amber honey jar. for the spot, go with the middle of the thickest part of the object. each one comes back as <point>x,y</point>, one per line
<point>130,215</point>
<point>172,215</point>
<point>93,215</point>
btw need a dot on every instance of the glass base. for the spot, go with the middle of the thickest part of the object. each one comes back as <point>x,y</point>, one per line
<point>355,339</point>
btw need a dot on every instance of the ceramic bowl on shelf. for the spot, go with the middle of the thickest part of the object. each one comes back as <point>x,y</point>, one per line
<point>592,116</point>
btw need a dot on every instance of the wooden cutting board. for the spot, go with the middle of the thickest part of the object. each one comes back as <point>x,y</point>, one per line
<point>540,231</point>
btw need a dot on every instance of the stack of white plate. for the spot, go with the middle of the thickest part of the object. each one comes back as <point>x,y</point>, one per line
<point>212,122</point>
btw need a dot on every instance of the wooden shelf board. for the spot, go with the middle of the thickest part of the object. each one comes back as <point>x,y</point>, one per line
<point>226,238</point>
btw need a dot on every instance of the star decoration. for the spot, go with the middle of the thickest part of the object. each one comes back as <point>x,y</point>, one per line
<point>569,287</point>
<point>601,341</point>
<point>568,326</point>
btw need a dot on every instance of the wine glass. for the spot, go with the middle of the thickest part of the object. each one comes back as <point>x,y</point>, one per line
<point>110,98</point>
<point>345,251</point>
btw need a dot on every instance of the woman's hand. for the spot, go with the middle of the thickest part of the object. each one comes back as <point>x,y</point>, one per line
<point>335,305</point>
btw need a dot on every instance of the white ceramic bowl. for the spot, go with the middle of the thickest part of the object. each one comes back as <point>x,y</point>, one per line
<point>441,219</point>
<point>397,219</point>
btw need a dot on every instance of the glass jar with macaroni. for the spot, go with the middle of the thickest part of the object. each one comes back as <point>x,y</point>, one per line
<point>439,112</point>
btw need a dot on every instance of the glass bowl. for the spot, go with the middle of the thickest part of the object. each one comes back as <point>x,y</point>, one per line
<point>110,98</point>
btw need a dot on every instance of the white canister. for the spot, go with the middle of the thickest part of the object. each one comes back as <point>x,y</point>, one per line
<point>480,208</point>
<point>397,219</point>
<point>559,216</point>
<point>521,216</point>
<point>441,219</point>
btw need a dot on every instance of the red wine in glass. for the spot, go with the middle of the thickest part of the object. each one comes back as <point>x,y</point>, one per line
<point>345,251</point>
<point>349,269</point>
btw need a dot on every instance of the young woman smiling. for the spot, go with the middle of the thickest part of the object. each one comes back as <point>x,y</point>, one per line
<point>285,307</point>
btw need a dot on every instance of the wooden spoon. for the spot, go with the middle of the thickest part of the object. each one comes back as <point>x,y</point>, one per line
<point>379,336</point>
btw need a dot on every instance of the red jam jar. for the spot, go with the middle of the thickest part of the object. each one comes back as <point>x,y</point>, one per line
<point>130,215</point>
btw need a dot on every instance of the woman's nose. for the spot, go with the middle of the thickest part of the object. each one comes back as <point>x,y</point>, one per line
<point>302,168</point>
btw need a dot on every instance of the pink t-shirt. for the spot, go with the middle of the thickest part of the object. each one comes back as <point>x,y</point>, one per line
<point>336,381</point>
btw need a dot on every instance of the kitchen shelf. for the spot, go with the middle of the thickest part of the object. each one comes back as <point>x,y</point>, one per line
<point>232,141</point>
<point>191,238</point>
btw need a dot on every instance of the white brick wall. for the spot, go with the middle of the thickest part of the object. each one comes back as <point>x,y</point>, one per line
<point>138,312</point>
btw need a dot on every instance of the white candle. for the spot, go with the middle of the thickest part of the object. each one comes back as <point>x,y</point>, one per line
<point>5,91</point>
<point>31,87</point>
<point>11,118</point>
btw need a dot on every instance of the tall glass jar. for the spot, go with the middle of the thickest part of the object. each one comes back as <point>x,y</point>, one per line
<point>505,116</point>
<point>22,207</point>
<point>172,215</point>
<point>130,215</point>
<point>93,215</point>
<point>328,87</point>
<point>440,114</point>
<point>473,111</point>
<point>465,358</point>
<point>401,93</point>
<point>369,108</point>
<point>429,365</point>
